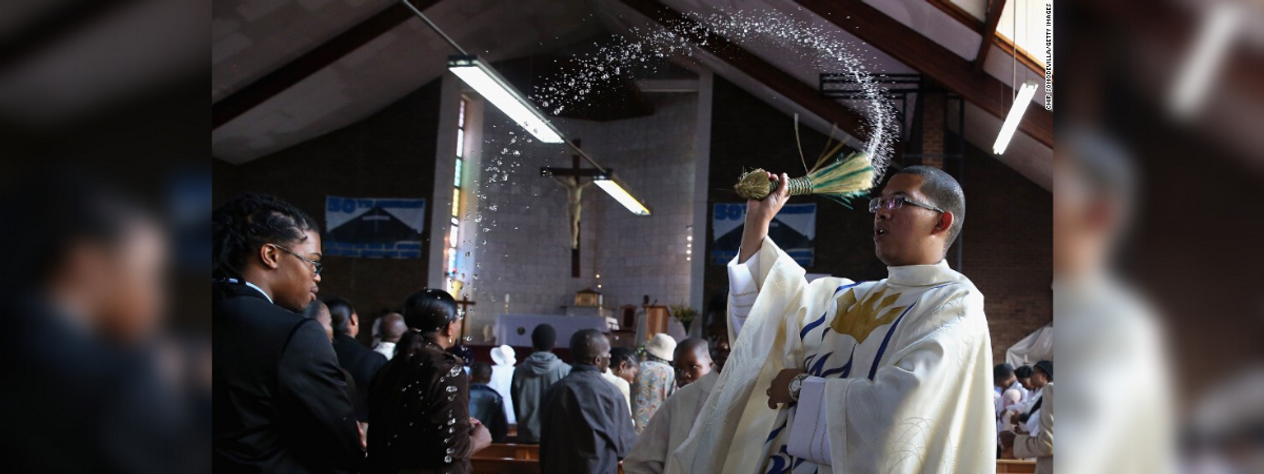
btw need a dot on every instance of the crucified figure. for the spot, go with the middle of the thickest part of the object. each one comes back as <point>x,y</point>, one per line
<point>574,204</point>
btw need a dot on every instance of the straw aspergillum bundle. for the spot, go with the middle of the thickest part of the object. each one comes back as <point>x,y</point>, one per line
<point>840,178</point>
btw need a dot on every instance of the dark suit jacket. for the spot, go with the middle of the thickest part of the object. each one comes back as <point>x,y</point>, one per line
<point>362,363</point>
<point>279,401</point>
<point>489,407</point>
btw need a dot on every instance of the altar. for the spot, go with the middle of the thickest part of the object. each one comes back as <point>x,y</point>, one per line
<point>515,329</point>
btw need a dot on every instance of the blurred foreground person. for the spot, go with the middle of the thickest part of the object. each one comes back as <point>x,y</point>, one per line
<point>419,404</point>
<point>1227,432</point>
<point>1107,336</point>
<point>81,387</point>
<point>280,401</point>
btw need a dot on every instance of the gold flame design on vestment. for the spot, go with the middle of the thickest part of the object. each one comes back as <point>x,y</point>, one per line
<point>860,319</point>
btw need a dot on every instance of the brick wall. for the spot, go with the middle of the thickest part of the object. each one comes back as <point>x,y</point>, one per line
<point>1007,248</point>
<point>389,154</point>
<point>933,128</point>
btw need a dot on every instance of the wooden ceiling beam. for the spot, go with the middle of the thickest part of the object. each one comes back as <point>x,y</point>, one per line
<point>309,63</point>
<point>932,59</point>
<point>988,31</point>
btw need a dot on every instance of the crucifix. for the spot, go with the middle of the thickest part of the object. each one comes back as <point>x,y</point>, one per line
<point>569,178</point>
<point>465,303</point>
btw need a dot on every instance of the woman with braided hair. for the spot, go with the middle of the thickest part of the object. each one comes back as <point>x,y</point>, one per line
<point>279,399</point>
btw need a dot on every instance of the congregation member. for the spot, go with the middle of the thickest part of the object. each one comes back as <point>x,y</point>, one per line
<point>486,405</point>
<point>354,357</point>
<point>1028,421</point>
<point>691,360</point>
<point>1011,395</point>
<point>532,380</point>
<point>320,312</point>
<point>624,387</point>
<point>420,403</point>
<point>1023,374</point>
<point>624,364</point>
<point>1037,441</point>
<point>391,327</point>
<point>504,358</point>
<point>717,330</point>
<point>655,380</point>
<point>671,424</point>
<point>279,397</point>
<point>585,427</point>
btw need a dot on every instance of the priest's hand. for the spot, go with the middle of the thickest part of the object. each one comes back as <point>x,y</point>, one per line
<point>759,214</point>
<point>779,392</point>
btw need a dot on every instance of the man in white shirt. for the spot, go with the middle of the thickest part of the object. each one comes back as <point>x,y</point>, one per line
<point>391,329</point>
<point>1012,395</point>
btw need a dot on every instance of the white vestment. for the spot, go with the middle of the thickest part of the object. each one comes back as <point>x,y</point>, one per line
<point>901,375</point>
<point>669,427</point>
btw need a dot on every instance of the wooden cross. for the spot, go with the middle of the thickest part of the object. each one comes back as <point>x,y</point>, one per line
<point>465,303</point>
<point>575,172</point>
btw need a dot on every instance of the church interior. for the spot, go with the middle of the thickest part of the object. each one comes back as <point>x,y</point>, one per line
<point>358,114</point>
<point>322,100</point>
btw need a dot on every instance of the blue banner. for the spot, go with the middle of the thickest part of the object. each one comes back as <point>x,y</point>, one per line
<point>374,227</point>
<point>793,229</point>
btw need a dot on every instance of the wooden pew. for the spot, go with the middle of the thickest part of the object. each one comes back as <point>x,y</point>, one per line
<point>508,458</point>
<point>505,466</point>
<point>511,451</point>
<point>1011,466</point>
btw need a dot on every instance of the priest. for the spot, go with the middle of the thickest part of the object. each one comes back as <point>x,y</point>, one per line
<point>890,376</point>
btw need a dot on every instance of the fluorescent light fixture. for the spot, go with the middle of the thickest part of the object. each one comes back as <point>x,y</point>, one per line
<point>1206,60</point>
<point>613,186</point>
<point>500,93</point>
<point>1015,115</point>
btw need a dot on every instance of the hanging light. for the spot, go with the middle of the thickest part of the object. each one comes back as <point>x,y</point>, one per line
<point>614,186</point>
<point>500,93</point>
<point>1015,116</point>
